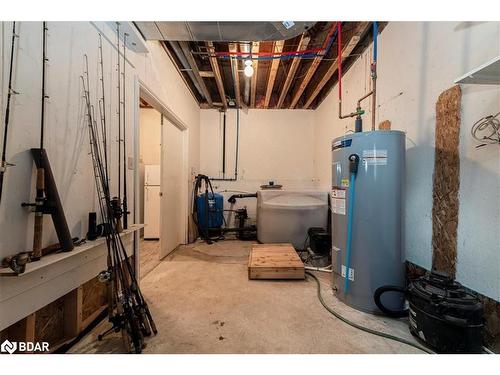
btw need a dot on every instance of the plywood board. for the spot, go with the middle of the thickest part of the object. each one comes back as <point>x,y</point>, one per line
<point>446,181</point>
<point>93,297</point>
<point>274,261</point>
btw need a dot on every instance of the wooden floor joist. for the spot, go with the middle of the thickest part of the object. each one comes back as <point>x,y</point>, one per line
<point>216,72</point>
<point>305,81</point>
<point>361,27</point>
<point>253,86</point>
<point>304,41</point>
<point>277,48</point>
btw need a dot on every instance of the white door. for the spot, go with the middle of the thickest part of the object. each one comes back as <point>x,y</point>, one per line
<point>152,174</point>
<point>172,194</point>
<point>152,212</point>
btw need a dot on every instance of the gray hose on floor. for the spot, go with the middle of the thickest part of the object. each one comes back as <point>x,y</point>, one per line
<point>362,328</point>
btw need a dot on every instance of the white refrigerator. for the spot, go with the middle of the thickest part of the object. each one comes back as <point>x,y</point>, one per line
<point>152,202</point>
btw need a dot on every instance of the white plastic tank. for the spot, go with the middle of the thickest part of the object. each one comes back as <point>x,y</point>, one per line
<point>285,216</point>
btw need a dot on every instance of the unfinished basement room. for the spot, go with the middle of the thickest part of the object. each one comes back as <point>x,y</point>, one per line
<point>248,186</point>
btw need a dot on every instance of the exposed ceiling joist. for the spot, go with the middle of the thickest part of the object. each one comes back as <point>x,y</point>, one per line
<point>236,77</point>
<point>196,71</point>
<point>304,41</point>
<point>346,51</point>
<point>218,78</point>
<point>305,81</point>
<point>277,48</point>
<point>253,87</point>
<point>298,82</point>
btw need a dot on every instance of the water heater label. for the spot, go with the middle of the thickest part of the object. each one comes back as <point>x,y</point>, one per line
<point>341,144</point>
<point>338,201</point>
<point>338,193</point>
<point>344,271</point>
<point>375,157</point>
<point>351,274</point>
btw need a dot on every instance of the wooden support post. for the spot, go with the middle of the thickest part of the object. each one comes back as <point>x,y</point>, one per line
<point>73,312</point>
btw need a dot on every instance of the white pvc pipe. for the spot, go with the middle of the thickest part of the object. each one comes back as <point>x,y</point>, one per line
<point>319,269</point>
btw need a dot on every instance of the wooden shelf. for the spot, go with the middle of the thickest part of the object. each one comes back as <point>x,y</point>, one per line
<point>486,74</point>
<point>58,257</point>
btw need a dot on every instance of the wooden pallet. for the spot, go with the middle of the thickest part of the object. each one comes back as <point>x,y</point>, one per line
<point>274,261</point>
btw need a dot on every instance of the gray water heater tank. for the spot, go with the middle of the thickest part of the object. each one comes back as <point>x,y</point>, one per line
<point>376,257</point>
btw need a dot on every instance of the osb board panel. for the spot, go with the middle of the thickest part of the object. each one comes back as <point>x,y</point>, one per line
<point>446,181</point>
<point>274,261</point>
<point>94,297</point>
<point>491,309</point>
<point>49,322</point>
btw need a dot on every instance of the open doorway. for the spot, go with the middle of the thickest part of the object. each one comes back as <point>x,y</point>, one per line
<point>150,130</point>
<point>163,182</point>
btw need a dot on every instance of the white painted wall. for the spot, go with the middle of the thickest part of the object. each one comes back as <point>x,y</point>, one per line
<point>66,132</point>
<point>417,61</point>
<point>274,145</point>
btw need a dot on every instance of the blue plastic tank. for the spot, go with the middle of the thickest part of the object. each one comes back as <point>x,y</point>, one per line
<point>215,211</point>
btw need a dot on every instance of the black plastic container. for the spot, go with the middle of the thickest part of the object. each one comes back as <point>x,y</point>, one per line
<point>444,315</point>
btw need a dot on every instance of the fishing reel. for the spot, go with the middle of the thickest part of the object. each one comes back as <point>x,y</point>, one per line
<point>105,276</point>
<point>17,263</point>
<point>116,206</point>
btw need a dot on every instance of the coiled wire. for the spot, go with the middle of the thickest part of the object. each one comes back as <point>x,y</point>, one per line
<point>487,130</point>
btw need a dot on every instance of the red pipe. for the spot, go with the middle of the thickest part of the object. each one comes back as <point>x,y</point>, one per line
<point>339,58</point>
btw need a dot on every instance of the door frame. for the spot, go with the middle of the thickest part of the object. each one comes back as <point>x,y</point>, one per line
<point>142,90</point>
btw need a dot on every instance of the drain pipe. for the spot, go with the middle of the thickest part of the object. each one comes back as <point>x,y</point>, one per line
<point>235,178</point>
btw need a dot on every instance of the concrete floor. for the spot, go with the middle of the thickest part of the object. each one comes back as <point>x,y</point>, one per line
<point>202,302</point>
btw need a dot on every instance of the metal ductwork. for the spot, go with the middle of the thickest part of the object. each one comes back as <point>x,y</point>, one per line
<point>185,66</point>
<point>222,31</point>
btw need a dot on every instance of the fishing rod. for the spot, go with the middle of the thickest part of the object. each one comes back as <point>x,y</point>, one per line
<point>102,107</point>
<point>3,163</point>
<point>40,172</point>
<point>47,199</point>
<point>127,309</point>
<point>117,201</point>
<point>125,208</point>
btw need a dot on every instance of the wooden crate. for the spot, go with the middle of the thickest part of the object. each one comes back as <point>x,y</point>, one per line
<point>275,261</point>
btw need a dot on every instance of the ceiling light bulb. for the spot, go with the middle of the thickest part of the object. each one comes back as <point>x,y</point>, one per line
<point>248,68</point>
